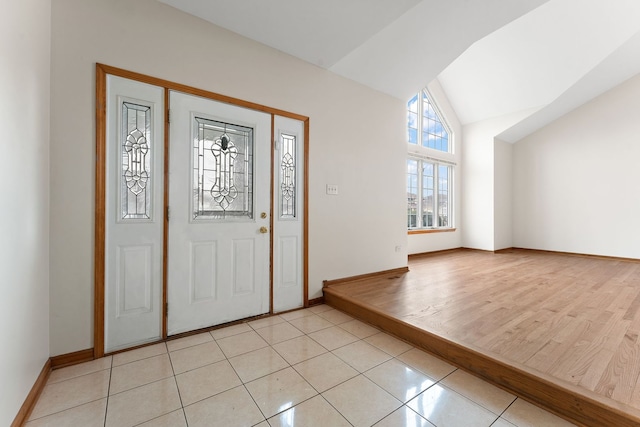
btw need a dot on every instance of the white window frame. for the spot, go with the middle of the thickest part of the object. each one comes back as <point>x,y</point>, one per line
<point>436,198</point>
<point>447,128</point>
<point>423,155</point>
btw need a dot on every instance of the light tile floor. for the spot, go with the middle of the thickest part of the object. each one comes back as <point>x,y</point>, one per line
<point>313,367</point>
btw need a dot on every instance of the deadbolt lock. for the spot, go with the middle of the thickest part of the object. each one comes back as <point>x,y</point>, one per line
<point>263,215</point>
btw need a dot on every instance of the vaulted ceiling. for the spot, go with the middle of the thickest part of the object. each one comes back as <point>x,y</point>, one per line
<point>492,57</point>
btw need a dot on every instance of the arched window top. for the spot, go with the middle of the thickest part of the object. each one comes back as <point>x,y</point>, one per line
<point>425,124</point>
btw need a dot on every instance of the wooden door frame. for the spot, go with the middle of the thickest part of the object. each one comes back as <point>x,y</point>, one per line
<point>100,190</point>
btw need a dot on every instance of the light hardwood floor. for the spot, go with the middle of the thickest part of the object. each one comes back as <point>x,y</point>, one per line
<point>570,321</point>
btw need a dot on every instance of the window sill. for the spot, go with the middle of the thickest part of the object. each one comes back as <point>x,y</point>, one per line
<point>430,230</point>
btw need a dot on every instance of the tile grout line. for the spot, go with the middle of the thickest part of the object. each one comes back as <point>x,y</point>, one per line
<point>292,366</point>
<point>318,393</point>
<point>392,357</point>
<point>255,403</point>
<point>477,403</point>
<point>347,364</point>
<point>242,383</point>
<point>175,380</point>
<point>226,359</point>
<point>74,406</point>
<point>499,416</point>
<point>106,406</point>
<point>505,410</point>
<point>321,393</point>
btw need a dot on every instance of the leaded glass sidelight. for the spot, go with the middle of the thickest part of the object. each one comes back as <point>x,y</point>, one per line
<point>222,170</point>
<point>135,151</point>
<point>288,168</point>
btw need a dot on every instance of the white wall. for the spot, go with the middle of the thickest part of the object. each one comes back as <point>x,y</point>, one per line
<point>429,242</point>
<point>479,190</point>
<point>576,180</point>
<point>356,141</point>
<point>502,195</point>
<point>477,184</point>
<point>24,185</point>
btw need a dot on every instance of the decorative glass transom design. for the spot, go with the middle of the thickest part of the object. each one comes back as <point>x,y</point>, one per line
<point>222,170</point>
<point>288,168</point>
<point>135,194</point>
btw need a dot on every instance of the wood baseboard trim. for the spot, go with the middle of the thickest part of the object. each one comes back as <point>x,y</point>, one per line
<point>430,230</point>
<point>316,301</point>
<point>507,250</point>
<point>503,250</point>
<point>74,358</point>
<point>576,405</point>
<point>433,253</point>
<point>392,272</point>
<point>543,251</point>
<point>32,397</point>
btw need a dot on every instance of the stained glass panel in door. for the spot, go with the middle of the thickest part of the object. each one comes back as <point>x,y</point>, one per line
<point>222,170</point>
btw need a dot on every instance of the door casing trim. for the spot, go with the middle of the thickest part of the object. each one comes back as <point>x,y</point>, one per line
<point>102,71</point>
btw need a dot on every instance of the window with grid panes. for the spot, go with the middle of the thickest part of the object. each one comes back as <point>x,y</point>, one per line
<point>429,179</point>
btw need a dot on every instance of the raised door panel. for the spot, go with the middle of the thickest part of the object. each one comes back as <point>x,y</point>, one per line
<point>133,213</point>
<point>288,221</point>
<point>220,178</point>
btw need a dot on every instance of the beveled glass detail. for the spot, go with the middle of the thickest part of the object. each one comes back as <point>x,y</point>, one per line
<point>135,194</point>
<point>288,176</point>
<point>222,170</point>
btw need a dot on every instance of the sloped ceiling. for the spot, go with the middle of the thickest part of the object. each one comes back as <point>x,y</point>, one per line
<point>492,57</point>
<point>320,32</point>
<point>621,65</point>
<point>394,46</point>
<point>532,61</point>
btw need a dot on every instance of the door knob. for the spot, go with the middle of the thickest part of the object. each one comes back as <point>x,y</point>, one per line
<point>264,230</point>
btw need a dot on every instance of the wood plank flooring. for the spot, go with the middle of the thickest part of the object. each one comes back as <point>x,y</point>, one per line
<point>572,322</point>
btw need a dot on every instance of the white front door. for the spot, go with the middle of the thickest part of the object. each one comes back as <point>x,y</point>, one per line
<point>221,192</point>
<point>219,209</point>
